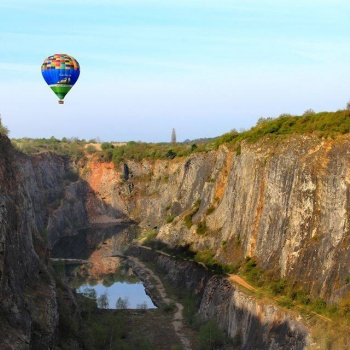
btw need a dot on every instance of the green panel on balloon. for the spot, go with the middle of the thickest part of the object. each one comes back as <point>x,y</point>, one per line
<point>61,90</point>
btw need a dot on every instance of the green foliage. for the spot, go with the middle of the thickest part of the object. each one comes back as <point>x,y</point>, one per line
<point>170,218</point>
<point>225,138</point>
<point>106,145</point>
<point>202,227</point>
<point>150,236</point>
<point>90,293</point>
<point>194,211</point>
<point>224,244</point>
<point>105,331</point>
<point>238,149</point>
<point>323,124</point>
<point>140,150</point>
<point>210,336</point>
<point>171,154</point>
<point>3,129</point>
<point>90,149</point>
<point>188,220</point>
<point>344,306</point>
<point>309,112</point>
<point>210,210</point>
<point>122,303</point>
<point>252,272</point>
<point>190,310</point>
<point>207,258</point>
<point>106,155</point>
<point>142,306</point>
<point>238,240</point>
<point>168,207</point>
<point>71,148</point>
<point>102,301</point>
<point>278,287</point>
<point>169,307</point>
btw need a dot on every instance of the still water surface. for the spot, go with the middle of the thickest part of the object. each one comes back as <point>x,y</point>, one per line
<point>134,293</point>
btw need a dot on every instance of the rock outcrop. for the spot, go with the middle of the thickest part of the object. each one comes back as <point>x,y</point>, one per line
<point>284,202</point>
<point>28,299</point>
<point>252,324</point>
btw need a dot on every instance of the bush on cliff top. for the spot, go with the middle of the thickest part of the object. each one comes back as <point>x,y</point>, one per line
<point>71,148</point>
<point>3,129</point>
<point>324,124</point>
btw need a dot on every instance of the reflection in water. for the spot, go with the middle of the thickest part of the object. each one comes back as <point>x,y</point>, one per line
<point>105,273</point>
<point>123,284</point>
<point>134,294</point>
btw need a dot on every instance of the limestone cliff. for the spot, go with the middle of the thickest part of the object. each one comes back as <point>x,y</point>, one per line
<point>39,203</point>
<point>284,201</point>
<point>28,300</point>
<point>253,324</point>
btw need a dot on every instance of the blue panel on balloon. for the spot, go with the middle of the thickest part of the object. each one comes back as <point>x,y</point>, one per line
<point>61,76</point>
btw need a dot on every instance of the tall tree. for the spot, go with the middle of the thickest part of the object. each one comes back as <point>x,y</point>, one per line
<point>173,136</point>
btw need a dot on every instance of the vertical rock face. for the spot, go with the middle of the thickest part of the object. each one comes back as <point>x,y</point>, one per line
<point>28,305</point>
<point>251,323</point>
<point>284,201</point>
<point>58,197</point>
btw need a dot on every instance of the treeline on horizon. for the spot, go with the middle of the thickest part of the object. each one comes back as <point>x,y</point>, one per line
<point>323,124</point>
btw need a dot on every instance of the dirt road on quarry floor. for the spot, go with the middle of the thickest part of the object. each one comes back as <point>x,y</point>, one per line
<point>178,317</point>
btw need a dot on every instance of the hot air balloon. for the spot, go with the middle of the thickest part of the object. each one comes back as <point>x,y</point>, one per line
<point>60,72</point>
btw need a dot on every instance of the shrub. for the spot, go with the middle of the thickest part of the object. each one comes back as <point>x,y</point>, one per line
<point>190,310</point>
<point>277,287</point>
<point>169,218</point>
<point>344,306</point>
<point>102,301</point>
<point>90,293</point>
<point>150,236</point>
<point>201,227</point>
<point>169,307</point>
<point>210,210</point>
<point>106,145</point>
<point>188,220</point>
<point>123,303</point>
<point>3,129</point>
<point>142,306</point>
<point>309,112</point>
<point>210,336</point>
<point>90,149</point>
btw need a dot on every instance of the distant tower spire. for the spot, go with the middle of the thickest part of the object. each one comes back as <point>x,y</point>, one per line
<point>173,136</point>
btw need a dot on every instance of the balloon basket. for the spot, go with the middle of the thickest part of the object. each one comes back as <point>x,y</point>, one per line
<point>60,102</point>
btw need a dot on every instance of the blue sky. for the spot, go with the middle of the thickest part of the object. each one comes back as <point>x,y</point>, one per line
<point>201,67</point>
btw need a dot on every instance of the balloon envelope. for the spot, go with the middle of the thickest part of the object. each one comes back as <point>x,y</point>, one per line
<point>60,72</point>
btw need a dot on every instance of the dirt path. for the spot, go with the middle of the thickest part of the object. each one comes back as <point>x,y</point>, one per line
<point>178,317</point>
<point>242,282</point>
